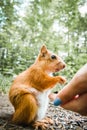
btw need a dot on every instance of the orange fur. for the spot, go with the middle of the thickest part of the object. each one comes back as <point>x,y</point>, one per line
<point>36,79</point>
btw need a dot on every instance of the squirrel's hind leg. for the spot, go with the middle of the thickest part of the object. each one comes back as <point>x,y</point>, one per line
<point>26,111</point>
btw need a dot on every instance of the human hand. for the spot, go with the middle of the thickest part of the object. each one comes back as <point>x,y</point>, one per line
<point>74,95</point>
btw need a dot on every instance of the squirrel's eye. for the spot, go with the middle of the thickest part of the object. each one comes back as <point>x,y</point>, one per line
<point>53,57</point>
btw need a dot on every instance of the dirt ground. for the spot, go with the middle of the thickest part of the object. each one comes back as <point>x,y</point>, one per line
<point>63,119</point>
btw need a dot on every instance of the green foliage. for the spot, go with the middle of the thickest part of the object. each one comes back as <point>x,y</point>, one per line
<point>5,83</point>
<point>7,12</point>
<point>26,25</point>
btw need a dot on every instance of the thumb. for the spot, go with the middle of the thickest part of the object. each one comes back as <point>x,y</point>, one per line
<point>73,88</point>
<point>77,86</point>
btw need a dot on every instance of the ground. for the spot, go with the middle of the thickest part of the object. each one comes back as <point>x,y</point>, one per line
<point>63,119</point>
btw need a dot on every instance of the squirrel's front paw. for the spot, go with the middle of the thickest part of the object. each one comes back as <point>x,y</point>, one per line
<point>62,80</point>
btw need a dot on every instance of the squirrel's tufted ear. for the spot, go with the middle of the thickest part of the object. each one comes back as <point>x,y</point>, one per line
<point>43,50</point>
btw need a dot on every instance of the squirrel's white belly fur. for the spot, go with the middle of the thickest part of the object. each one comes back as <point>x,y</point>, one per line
<point>43,101</point>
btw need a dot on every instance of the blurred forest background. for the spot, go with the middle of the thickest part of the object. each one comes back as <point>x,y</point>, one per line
<point>27,24</point>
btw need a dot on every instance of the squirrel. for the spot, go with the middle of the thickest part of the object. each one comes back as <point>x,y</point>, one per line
<point>30,89</point>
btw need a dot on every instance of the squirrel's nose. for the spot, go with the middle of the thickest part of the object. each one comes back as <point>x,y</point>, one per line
<point>64,65</point>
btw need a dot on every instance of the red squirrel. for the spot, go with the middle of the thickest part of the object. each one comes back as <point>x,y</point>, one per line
<point>29,91</point>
